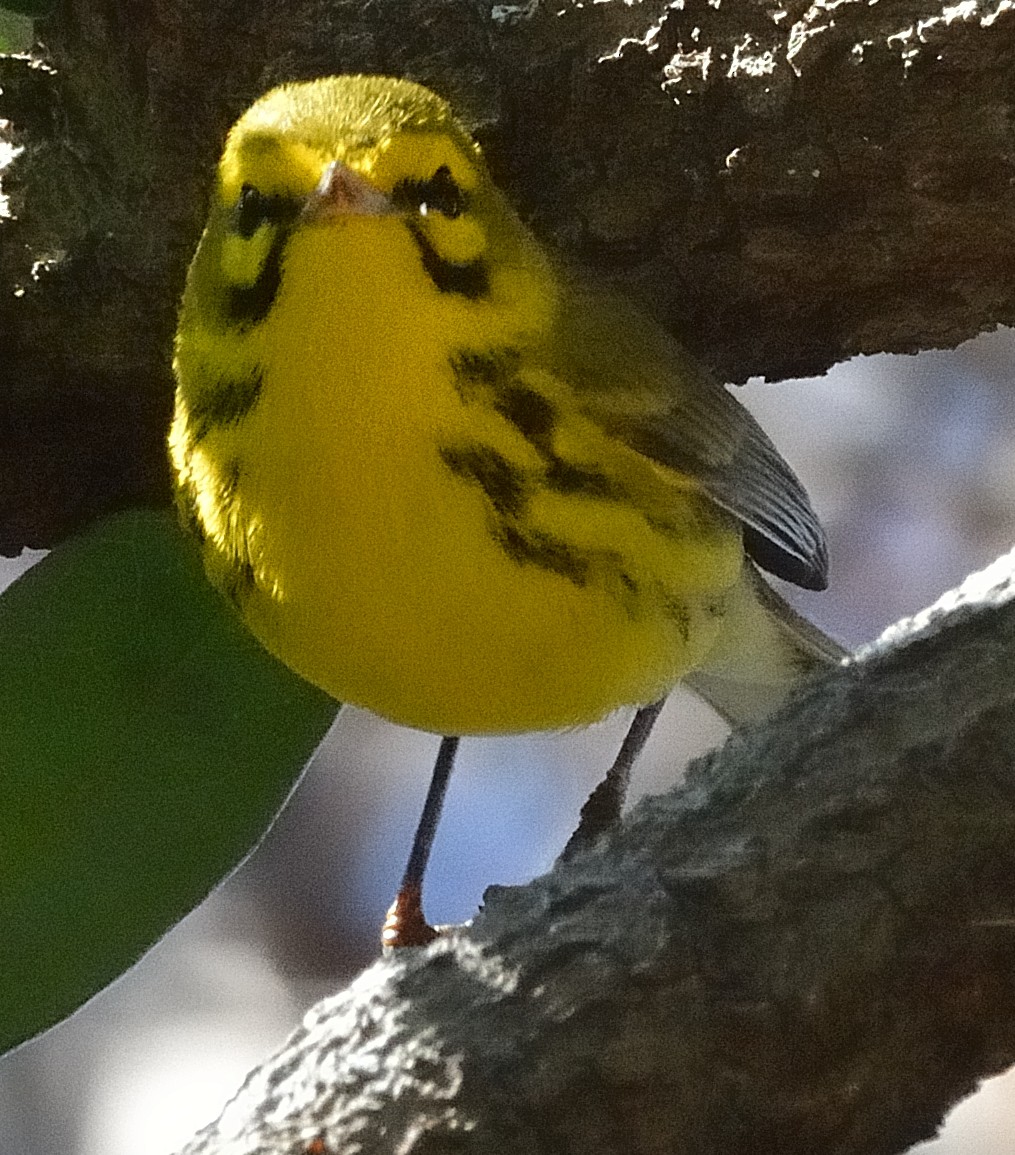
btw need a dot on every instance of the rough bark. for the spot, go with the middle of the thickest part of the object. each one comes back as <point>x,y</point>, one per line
<point>808,946</point>
<point>784,186</point>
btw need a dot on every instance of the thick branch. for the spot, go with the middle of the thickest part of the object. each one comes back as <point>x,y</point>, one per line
<point>807,947</point>
<point>783,186</point>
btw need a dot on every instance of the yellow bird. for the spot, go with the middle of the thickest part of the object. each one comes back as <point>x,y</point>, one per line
<point>440,477</point>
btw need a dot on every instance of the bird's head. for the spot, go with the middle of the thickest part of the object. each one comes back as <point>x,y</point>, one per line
<point>362,179</point>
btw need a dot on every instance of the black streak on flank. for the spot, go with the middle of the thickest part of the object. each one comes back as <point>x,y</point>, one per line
<point>496,374</point>
<point>500,481</point>
<point>226,403</point>
<point>532,414</point>
<point>545,551</point>
<point>563,477</point>
<point>470,280</point>
<point>535,418</point>
<point>478,374</point>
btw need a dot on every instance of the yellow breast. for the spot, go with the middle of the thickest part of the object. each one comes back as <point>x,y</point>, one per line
<point>430,527</point>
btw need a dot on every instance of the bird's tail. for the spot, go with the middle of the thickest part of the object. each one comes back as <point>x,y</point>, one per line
<point>765,649</point>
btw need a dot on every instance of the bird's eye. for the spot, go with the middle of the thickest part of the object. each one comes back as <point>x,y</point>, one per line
<point>439,194</point>
<point>442,194</point>
<point>253,209</point>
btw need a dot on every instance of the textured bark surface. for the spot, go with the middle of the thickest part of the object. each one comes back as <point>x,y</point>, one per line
<point>784,186</point>
<point>807,947</point>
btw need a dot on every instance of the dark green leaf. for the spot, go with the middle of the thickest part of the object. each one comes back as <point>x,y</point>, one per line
<point>146,743</point>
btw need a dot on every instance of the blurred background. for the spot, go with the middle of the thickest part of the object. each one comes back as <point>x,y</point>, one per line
<point>911,463</point>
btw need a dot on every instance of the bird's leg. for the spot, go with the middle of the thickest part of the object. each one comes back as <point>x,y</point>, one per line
<point>405,924</point>
<point>601,811</point>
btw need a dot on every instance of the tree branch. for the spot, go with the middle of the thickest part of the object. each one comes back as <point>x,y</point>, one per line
<point>808,946</point>
<point>784,186</point>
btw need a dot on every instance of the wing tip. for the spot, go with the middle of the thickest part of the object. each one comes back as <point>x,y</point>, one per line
<point>807,570</point>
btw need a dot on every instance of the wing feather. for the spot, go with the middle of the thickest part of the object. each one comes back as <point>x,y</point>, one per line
<point>639,385</point>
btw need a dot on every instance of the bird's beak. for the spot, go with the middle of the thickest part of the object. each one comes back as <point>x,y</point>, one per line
<point>343,192</point>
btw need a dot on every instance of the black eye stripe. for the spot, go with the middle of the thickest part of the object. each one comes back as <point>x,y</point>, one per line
<point>441,193</point>
<point>255,208</point>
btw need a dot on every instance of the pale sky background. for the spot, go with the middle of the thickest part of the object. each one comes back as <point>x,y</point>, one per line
<point>910,462</point>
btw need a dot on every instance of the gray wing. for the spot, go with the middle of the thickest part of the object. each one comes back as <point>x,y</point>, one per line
<point>639,385</point>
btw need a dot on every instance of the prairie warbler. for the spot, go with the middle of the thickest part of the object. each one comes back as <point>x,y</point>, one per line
<point>440,477</point>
